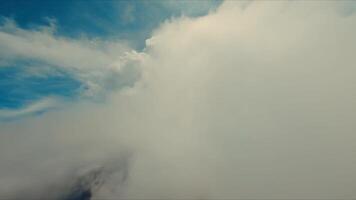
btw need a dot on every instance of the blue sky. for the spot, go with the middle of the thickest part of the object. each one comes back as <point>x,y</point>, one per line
<point>129,22</point>
<point>123,19</point>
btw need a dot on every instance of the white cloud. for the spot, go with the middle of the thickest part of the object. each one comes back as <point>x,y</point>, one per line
<point>101,66</point>
<point>90,60</point>
<point>42,44</point>
<point>41,105</point>
<point>246,102</point>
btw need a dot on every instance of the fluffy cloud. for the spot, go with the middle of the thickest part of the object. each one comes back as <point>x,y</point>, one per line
<point>251,101</point>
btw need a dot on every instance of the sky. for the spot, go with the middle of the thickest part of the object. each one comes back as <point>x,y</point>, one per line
<point>109,24</point>
<point>177,99</point>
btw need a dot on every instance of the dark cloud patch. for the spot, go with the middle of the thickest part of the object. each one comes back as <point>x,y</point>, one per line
<point>84,183</point>
<point>91,182</point>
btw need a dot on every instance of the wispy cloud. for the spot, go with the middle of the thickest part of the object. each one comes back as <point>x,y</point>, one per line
<point>98,65</point>
<point>42,105</point>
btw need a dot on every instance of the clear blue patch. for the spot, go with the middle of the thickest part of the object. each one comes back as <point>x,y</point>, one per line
<point>19,88</point>
<point>119,19</point>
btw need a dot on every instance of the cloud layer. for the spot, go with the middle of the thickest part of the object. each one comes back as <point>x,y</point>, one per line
<point>254,100</point>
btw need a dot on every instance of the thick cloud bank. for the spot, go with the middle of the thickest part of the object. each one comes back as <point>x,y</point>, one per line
<point>253,101</point>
